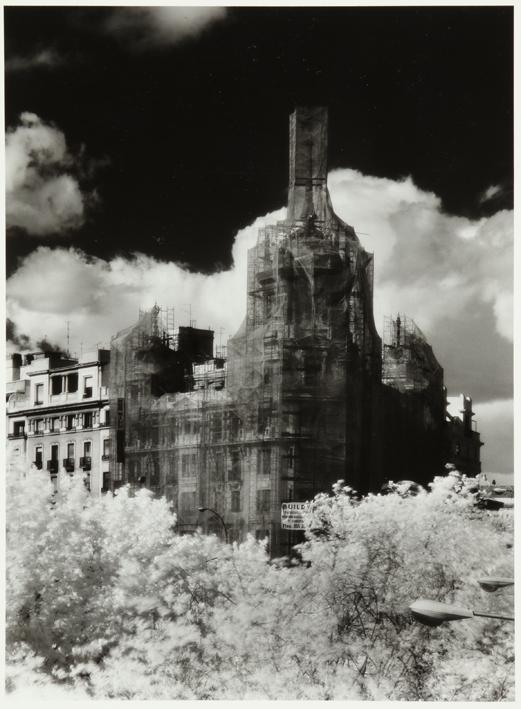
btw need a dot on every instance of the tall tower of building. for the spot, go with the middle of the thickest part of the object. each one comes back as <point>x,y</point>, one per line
<point>305,367</point>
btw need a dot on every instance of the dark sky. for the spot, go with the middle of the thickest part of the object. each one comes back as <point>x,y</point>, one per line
<point>186,143</point>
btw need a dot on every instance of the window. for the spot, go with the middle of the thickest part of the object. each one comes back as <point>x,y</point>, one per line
<point>236,500</point>
<point>52,464</point>
<point>85,460</point>
<point>38,393</point>
<point>70,422</point>
<point>234,425</point>
<point>185,465</point>
<point>171,475</point>
<point>39,425</point>
<point>38,457</point>
<point>106,448</point>
<point>107,417</point>
<point>68,463</point>
<point>263,501</point>
<point>131,474</point>
<point>216,427</point>
<point>266,460</point>
<point>106,482</point>
<point>87,419</point>
<point>235,472</point>
<point>72,382</point>
<point>291,458</point>
<point>19,428</point>
<point>154,473</point>
<point>54,424</point>
<point>87,387</point>
<point>219,467</point>
<point>268,305</point>
<point>56,385</point>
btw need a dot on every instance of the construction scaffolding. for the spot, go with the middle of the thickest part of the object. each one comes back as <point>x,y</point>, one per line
<point>409,363</point>
<point>295,401</point>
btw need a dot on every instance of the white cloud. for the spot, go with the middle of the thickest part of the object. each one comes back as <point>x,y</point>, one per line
<point>45,58</point>
<point>99,297</point>
<point>452,275</point>
<point>163,25</point>
<point>42,197</point>
<point>423,265</point>
<point>490,193</point>
<point>428,263</point>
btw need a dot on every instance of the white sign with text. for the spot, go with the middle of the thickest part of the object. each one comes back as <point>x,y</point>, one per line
<point>292,514</point>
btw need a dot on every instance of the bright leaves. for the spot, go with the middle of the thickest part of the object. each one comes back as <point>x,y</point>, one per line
<point>105,598</point>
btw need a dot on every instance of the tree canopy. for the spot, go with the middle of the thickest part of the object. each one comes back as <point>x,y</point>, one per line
<point>106,600</point>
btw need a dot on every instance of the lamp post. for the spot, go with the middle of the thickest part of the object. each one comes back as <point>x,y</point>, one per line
<point>434,613</point>
<point>208,509</point>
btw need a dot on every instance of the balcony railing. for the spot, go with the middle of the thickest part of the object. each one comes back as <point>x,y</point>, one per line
<point>68,464</point>
<point>52,467</point>
<point>85,462</point>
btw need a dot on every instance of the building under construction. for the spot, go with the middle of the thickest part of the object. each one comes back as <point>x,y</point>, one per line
<point>307,394</point>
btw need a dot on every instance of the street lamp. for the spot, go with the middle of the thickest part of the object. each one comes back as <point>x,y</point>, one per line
<point>208,509</point>
<point>492,583</point>
<point>434,613</point>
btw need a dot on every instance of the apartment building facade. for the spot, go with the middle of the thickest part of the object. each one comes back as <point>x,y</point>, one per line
<point>58,415</point>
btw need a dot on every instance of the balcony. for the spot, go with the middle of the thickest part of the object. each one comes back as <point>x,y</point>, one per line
<point>85,462</point>
<point>52,467</point>
<point>68,464</point>
<point>105,456</point>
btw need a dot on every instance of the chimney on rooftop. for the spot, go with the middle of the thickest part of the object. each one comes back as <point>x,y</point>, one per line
<point>308,164</point>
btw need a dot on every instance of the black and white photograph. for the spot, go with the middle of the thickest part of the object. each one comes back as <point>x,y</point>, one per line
<point>259,305</point>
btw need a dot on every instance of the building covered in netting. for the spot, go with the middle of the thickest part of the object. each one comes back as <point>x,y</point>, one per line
<point>302,398</point>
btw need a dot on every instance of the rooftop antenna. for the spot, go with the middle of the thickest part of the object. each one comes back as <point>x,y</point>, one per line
<point>68,336</point>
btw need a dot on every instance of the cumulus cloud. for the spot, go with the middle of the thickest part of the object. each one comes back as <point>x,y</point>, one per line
<point>434,265</point>
<point>42,196</point>
<point>453,276</point>
<point>100,297</point>
<point>46,58</point>
<point>490,193</point>
<point>162,26</point>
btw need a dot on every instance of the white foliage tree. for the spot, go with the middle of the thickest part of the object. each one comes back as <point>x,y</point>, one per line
<point>103,596</point>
